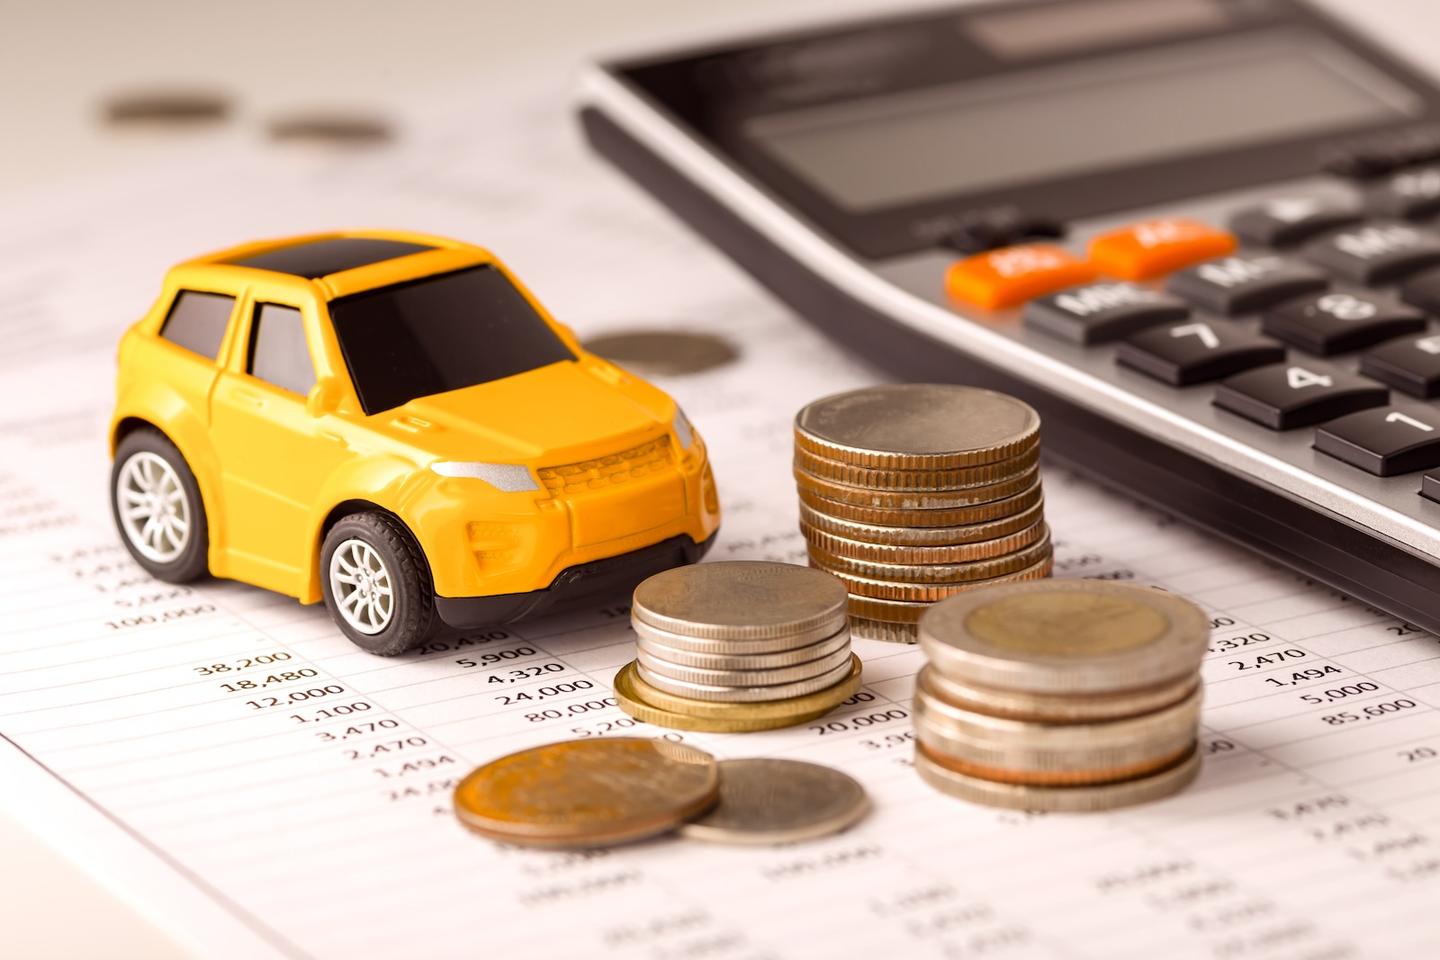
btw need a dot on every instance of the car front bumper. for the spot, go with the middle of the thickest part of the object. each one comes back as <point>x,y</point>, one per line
<point>574,587</point>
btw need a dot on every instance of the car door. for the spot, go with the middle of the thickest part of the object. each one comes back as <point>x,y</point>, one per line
<point>275,456</point>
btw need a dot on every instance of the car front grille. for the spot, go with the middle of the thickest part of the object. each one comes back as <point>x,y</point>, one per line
<point>607,471</point>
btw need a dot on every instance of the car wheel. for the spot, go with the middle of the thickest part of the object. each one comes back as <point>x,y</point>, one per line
<point>157,507</point>
<point>377,584</point>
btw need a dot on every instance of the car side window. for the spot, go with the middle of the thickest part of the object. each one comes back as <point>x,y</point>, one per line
<point>197,321</point>
<point>278,354</point>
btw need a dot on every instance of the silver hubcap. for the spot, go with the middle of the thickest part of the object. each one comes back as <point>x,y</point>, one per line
<point>154,511</point>
<point>361,586</point>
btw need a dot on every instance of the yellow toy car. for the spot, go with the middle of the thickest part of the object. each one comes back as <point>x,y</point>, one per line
<point>391,422</point>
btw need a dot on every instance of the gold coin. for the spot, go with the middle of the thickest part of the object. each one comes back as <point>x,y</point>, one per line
<point>891,553</point>
<point>917,499</point>
<point>887,632</point>
<point>908,536</point>
<point>1054,707</point>
<point>630,679</point>
<point>922,480</point>
<point>917,425</point>
<point>917,581</point>
<point>588,793</point>
<point>629,694</point>
<point>929,518</point>
<point>910,611</point>
<point>1066,636</point>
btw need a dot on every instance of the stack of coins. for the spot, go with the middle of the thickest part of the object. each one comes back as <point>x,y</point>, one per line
<point>1060,695</point>
<point>738,646</point>
<point>910,493</point>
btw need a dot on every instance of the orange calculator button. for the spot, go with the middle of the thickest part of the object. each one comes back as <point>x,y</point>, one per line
<point>1152,247</point>
<point>1011,275</point>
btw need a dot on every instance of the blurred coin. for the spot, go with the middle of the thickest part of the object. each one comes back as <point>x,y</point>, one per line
<point>929,426</point>
<point>897,537</point>
<point>664,353</point>
<point>768,801</point>
<point>745,676</point>
<point>631,694</point>
<point>339,128</point>
<point>789,709</point>
<point>922,480</point>
<point>744,661</point>
<point>916,499</point>
<point>588,793</point>
<point>893,553</point>
<point>1073,636</point>
<point>928,518</point>
<point>180,106</point>
<point>741,600</point>
<point>1071,799</point>
<point>726,693</point>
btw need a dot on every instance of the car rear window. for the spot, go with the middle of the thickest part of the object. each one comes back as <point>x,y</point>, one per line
<point>440,333</point>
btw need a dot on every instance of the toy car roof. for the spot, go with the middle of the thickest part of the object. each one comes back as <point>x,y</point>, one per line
<point>318,256</point>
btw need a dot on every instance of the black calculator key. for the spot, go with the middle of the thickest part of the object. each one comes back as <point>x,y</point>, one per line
<point>1410,194</point>
<point>1384,441</point>
<point>1290,395</point>
<point>1411,364</point>
<point>1099,312</point>
<point>1286,221</point>
<point>1376,253</point>
<point>1423,290</point>
<point>1196,351</point>
<point>1241,284</point>
<point>1335,322</point>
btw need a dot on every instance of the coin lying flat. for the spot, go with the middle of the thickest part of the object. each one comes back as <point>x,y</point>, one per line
<point>588,793</point>
<point>867,629</point>
<point>917,426</point>
<point>747,661</point>
<point>954,516</point>
<point>664,353</point>
<point>891,553</point>
<point>723,646</point>
<point>934,479</point>
<point>746,676</point>
<point>949,499</point>
<point>741,600</point>
<point>1052,707</point>
<point>650,705</point>
<point>875,588</point>
<point>1066,637</point>
<point>768,692</point>
<point>768,801</point>
<point>907,536</point>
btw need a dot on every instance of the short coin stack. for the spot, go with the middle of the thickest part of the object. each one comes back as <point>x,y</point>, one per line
<point>1060,695</point>
<point>910,493</point>
<point>738,646</point>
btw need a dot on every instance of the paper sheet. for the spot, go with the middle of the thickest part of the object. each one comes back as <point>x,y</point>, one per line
<point>322,828</point>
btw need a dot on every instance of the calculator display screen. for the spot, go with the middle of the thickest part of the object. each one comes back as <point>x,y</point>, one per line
<point>1031,125</point>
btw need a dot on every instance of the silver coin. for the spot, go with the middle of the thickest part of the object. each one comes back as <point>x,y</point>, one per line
<point>712,646</point>
<point>1076,799</point>
<point>917,425</point>
<point>1054,707</point>
<point>1065,636</point>
<point>840,640</point>
<point>741,600</point>
<point>745,676</point>
<point>768,801</point>
<point>716,693</point>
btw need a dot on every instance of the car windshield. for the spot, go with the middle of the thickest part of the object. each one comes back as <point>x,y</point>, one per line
<point>440,333</point>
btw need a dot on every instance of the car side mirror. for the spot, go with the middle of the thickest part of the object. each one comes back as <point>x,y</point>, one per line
<point>323,397</point>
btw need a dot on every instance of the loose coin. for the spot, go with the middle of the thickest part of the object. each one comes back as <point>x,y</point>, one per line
<point>1071,799</point>
<point>169,107</point>
<point>931,426</point>
<point>893,553</point>
<point>927,518</point>
<point>1082,636</point>
<point>790,709</point>
<point>331,128</point>
<point>746,661</point>
<point>917,499</point>
<point>664,353</point>
<point>747,677</point>
<point>630,693</point>
<point>588,793</point>
<point>768,801</point>
<point>897,479</point>
<point>906,536</point>
<point>741,600</point>
<point>726,693</point>
<point>874,588</point>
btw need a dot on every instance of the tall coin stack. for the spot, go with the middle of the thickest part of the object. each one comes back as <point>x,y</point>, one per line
<point>1060,695</point>
<point>910,493</point>
<point>738,646</point>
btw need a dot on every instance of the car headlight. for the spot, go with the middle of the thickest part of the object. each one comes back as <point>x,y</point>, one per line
<point>684,432</point>
<point>509,477</point>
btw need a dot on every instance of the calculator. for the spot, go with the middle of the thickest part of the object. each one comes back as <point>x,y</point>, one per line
<point>1199,236</point>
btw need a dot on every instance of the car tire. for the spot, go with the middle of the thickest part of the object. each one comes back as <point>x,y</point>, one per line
<point>377,584</point>
<point>157,508</point>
